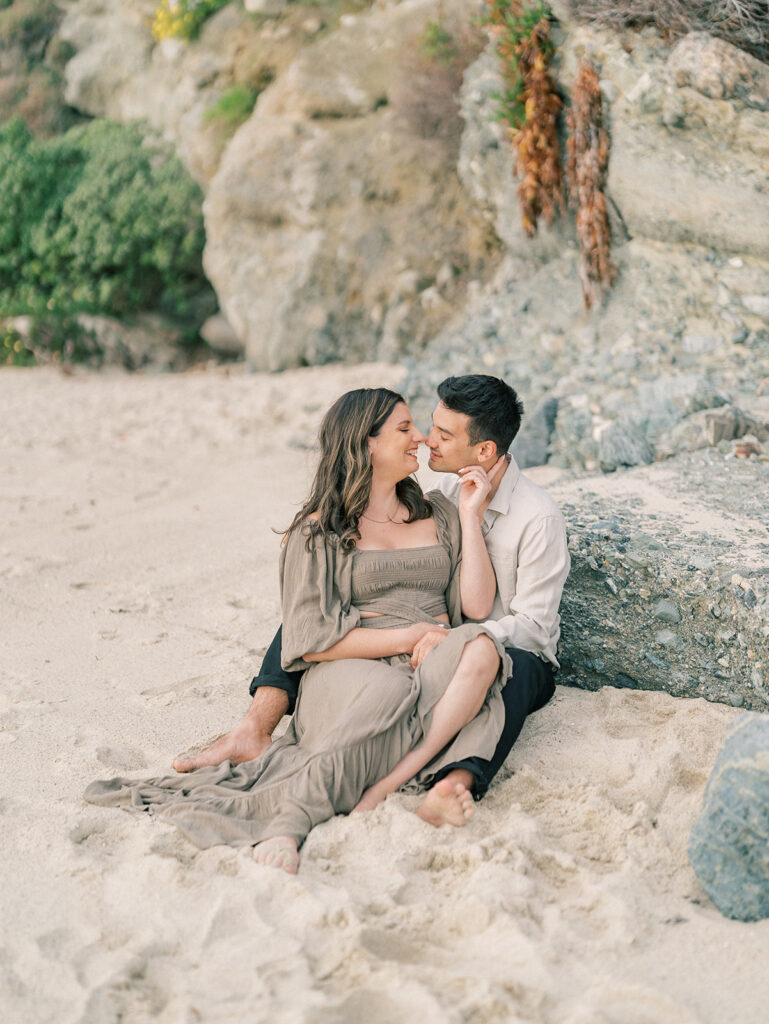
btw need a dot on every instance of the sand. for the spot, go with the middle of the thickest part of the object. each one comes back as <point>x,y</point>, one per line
<point>138,590</point>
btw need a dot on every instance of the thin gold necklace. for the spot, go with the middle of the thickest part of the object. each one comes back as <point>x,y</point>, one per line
<point>382,521</point>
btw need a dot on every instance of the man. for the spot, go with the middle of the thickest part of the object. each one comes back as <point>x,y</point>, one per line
<point>474,424</point>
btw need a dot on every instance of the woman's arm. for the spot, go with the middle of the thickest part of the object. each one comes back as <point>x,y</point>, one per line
<point>373,643</point>
<point>477,582</point>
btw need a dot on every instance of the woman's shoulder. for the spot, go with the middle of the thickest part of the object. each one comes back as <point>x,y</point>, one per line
<point>446,519</point>
<point>442,506</point>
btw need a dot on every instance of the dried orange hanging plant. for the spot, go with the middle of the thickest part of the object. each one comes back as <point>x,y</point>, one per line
<point>530,105</point>
<point>587,162</point>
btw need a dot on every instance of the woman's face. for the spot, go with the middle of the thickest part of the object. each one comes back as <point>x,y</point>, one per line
<point>394,449</point>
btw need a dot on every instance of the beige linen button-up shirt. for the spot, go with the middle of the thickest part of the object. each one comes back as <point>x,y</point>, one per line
<point>526,539</point>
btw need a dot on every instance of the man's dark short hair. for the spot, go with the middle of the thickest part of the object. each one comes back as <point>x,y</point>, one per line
<point>495,410</point>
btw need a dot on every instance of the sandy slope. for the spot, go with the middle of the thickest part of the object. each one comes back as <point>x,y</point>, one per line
<point>138,589</point>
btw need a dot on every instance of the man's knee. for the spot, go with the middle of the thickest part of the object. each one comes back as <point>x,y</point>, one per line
<point>533,679</point>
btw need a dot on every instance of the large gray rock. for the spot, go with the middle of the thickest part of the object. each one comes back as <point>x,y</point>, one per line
<point>334,231</point>
<point>688,159</point>
<point>729,845</point>
<point>669,587</point>
<point>717,69</point>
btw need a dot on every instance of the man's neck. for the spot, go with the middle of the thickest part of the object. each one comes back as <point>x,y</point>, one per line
<point>499,479</point>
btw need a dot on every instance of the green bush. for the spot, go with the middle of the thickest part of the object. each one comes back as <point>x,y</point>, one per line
<point>96,219</point>
<point>234,106</point>
<point>49,339</point>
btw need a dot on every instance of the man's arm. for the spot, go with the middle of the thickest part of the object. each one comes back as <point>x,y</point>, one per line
<point>543,565</point>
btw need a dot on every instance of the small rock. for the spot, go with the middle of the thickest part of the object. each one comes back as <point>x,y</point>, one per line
<point>218,333</point>
<point>748,446</point>
<point>666,611</point>
<point>669,638</point>
<point>531,446</point>
<point>758,304</point>
<point>701,344</point>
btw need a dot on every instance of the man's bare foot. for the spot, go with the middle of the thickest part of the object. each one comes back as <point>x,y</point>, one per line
<point>243,743</point>
<point>447,803</point>
<point>371,798</point>
<point>278,852</point>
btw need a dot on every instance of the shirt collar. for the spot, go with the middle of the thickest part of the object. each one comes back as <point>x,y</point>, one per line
<point>502,500</point>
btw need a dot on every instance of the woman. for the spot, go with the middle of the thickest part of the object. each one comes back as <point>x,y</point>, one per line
<point>368,568</point>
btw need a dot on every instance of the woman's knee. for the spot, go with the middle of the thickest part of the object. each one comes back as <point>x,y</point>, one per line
<point>481,655</point>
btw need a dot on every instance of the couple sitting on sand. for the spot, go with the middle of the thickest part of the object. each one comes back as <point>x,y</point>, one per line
<point>417,665</point>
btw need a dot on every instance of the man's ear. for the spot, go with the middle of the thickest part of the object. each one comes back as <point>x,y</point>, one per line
<point>487,453</point>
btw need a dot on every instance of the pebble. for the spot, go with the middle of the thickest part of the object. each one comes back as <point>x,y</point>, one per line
<point>666,611</point>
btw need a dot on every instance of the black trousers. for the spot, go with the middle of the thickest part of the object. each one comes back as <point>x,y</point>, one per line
<point>531,687</point>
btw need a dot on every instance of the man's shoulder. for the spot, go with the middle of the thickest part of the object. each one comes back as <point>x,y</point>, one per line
<point>536,498</point>
<point>532,507</point>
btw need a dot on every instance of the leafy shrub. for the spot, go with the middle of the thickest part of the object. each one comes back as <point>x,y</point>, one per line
<point>49,339</point>
<point>183,19</point>
<point>744,23</point>
<point>529,105</point>
<point>236,104</point>
<point>96,220</point>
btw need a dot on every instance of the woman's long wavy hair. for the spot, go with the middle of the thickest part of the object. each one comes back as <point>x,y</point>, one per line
<point>342,484</point>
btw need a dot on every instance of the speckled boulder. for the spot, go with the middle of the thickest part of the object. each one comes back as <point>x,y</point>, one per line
<point>729,845</point>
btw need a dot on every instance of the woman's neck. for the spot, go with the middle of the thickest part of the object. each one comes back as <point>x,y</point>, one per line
<point>382,496</point>
<point>383,500</point>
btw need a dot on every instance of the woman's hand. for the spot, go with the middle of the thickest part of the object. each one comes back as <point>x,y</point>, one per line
<point>423,647</point>
<point>476,485</point>
<point>415,634</point>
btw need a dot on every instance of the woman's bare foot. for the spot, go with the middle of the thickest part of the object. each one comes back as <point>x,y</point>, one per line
<point>278,852</point>
<point>241,744</point>
<point>447,803</point>
<point>371,798</point>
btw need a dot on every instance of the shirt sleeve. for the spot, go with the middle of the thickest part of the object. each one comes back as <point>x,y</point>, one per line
<point>531,620</point>
<point>316,612</point>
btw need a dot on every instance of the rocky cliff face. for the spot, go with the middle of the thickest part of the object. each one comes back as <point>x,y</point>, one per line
<point>337,231</point>
<point>686,327</point>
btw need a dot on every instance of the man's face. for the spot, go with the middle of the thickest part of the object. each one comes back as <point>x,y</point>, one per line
<point>449,445</point>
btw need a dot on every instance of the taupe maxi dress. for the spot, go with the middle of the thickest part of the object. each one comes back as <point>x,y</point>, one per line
<point>354,719</point>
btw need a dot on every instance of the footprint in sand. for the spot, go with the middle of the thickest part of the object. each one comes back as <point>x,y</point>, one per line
<point>124,759</point>
<point>128,994</point>
<point>84,831</point>
<point>626,1004</point>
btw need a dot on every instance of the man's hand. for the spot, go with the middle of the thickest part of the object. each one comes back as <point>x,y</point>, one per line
<point>476,485</point>
<point>423,647</point>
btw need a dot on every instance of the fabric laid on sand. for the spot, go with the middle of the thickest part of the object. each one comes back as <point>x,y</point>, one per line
<point>354,719</point>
